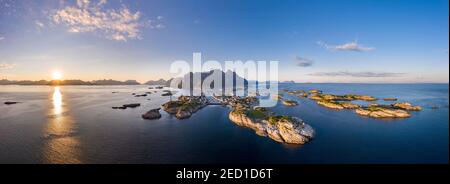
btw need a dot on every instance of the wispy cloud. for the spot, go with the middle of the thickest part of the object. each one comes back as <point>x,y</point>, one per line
<point>357,74</point>
<point>2,38</point>
<point>39,25</point>
<point>115,24</point>
<point>6,66</point>
<point>303,62</point>
<point>352,46</point>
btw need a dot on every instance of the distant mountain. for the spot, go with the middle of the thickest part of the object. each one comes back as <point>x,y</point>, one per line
<point>69,82</point>
<point>160,82</point>
<point>291,82</point>
<point>114,82</point>
<point>203,75</point>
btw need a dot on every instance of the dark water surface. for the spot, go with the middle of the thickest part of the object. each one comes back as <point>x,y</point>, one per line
<point>75,124</point>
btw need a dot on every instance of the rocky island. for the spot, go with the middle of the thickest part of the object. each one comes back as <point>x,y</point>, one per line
<point>10,103</point>
<point>152,114</point>
<point>407,106</point>
<point>390,99</point>
<point>347,97</point>
<point>185,106</point>
<point>397,110</point>
<point>382,112</point>
<point>284,129</point>
<point>290,103</point>
<point>337,104</point>
<point>133,105</point>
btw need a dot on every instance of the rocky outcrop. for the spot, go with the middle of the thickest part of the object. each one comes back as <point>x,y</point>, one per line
<point>11,103</point>
<point>347,97</point>
<point>330,104</point>
<point>315,97</point>
<point>296,92</point>
<point>349,105</point>
<point>152,114</point>
<point>278,97</point>
<point>407,106</point>
<point>168,93</point>
<point>365,98</point>
<point>390,99</point>
<point>303,95</point>
<point>315,91</point>
<point>381,112</point>
<point>142,95</point>
<point>290,103</point>
<point>134,105</point>
<point>283,129</point>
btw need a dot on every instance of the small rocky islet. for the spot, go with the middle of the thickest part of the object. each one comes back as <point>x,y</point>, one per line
<point>10,103</point>
<point>290,103</point>
<point>152,114</point>
<point>125,106</point>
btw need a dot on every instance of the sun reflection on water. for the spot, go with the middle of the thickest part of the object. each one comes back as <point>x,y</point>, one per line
<point>62,144</point>
<point>57,101</point>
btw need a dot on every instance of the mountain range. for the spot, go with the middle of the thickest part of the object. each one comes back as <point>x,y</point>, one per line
<point>160,82</point>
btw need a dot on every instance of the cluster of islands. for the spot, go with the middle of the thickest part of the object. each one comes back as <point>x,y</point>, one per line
<point>281,128</point>
<point>245,112</point>
<point>341,102</point>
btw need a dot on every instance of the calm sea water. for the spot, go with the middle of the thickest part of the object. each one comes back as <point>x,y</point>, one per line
<point>75,124</point>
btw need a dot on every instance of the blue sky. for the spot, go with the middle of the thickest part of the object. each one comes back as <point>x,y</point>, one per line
<point>314,40</point>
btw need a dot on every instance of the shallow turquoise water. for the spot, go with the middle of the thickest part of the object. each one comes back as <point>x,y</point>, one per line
<point>75,124</point>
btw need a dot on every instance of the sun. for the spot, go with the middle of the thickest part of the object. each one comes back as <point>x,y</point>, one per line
<point>56,75</point>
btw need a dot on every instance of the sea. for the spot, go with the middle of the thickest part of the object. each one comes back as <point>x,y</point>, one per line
<point>76,124</point>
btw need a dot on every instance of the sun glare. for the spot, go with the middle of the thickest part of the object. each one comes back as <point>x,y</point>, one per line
<point>56,75</point>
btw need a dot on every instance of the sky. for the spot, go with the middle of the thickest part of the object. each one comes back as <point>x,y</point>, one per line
<point>367,41</point>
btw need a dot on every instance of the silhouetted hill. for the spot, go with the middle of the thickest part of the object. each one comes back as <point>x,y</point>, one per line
<point>203,75</point>
<point>160,82</point>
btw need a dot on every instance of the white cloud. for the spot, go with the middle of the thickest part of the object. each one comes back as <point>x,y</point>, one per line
<point>87,17</point>
<point>39,24</point>
<point>357,74</point>
<point>102,2</point>
<point>2,38</point>
<point>352,46</point>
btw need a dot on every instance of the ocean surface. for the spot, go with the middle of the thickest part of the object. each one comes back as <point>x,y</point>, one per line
<point>76,124</point>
